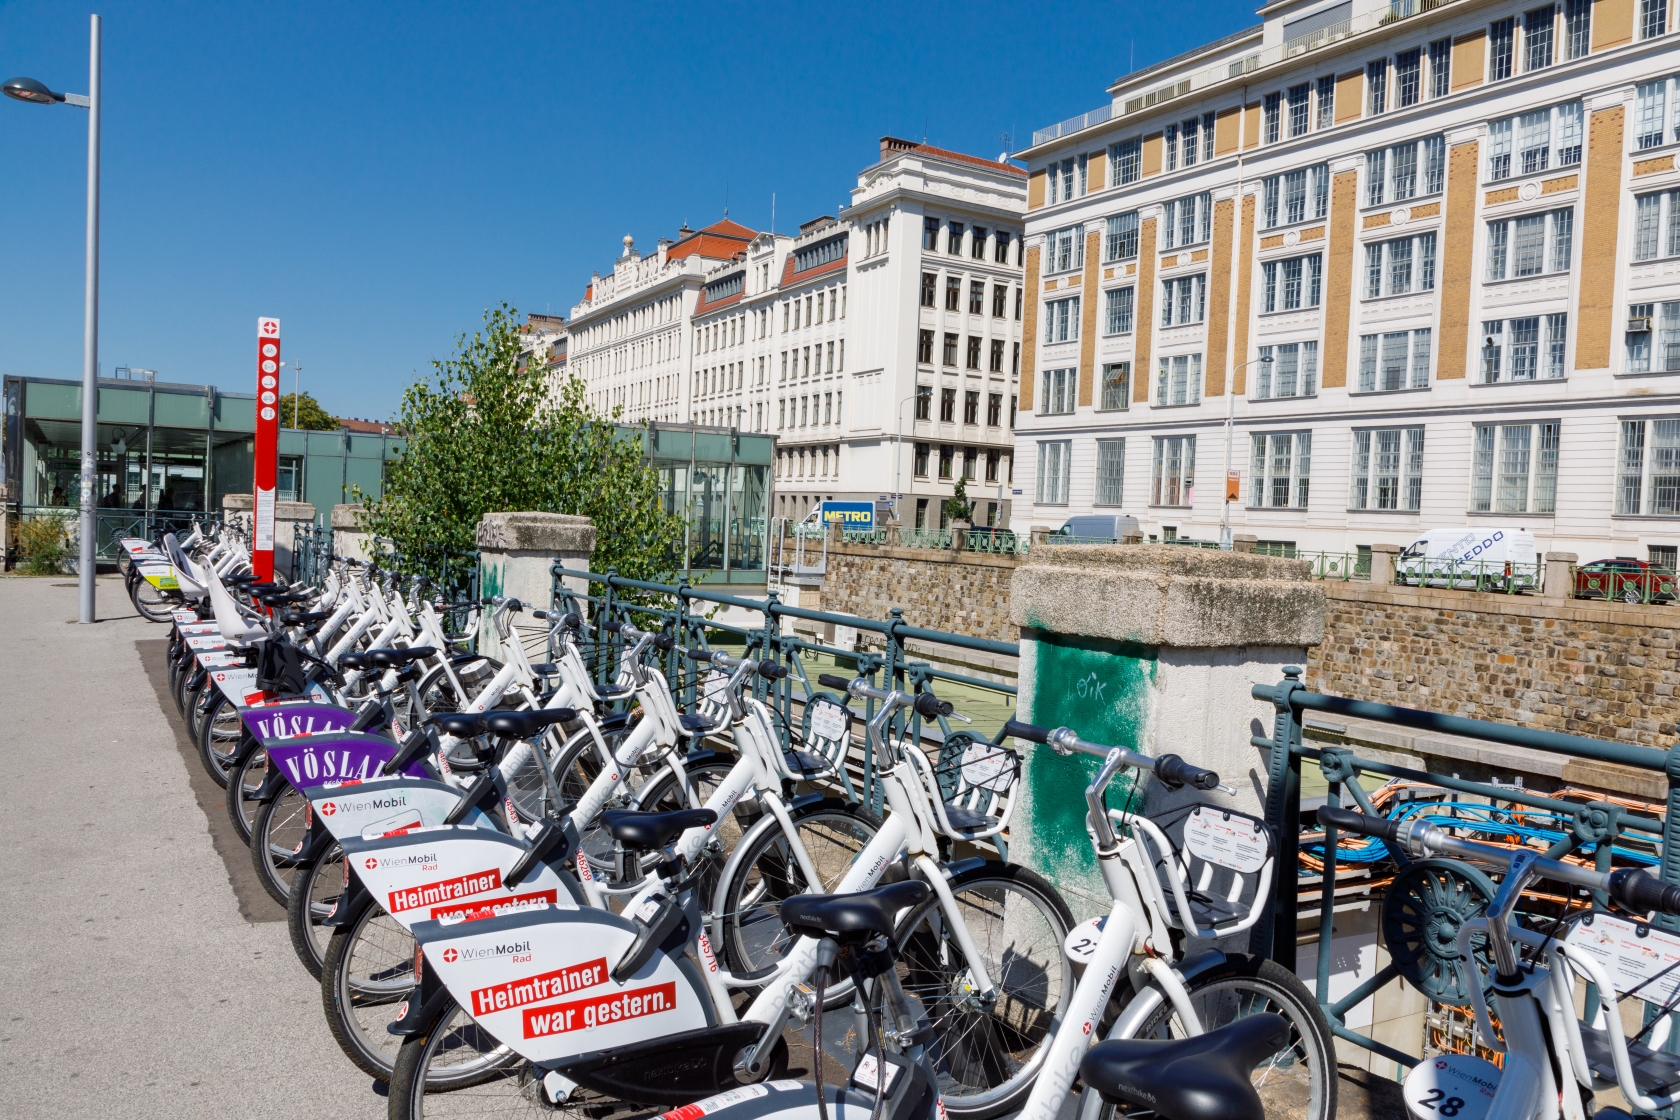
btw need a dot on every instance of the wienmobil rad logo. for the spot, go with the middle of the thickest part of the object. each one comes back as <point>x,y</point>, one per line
<point>365,805</point>
<point>446,890</point>
<point>533,989</point>
<point>598,1011</point>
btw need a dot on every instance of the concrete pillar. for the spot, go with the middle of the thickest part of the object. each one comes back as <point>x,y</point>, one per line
<point>1244,542</point>
<point>1153,648</point>
<point>516,551</point>
<point>1037,533</point>
<point>959,535</point>
<point>891,528</point>
<point>348,538</point>
<point>1383,560</point>
<point>1559,577</point>
<point>287,517</point>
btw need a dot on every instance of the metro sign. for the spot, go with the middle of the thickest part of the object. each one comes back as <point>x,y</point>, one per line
<point>266,465</point>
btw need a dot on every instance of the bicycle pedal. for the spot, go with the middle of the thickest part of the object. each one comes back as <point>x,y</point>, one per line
<point>801,999</point>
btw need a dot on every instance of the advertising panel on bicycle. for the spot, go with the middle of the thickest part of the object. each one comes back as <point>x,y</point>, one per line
<point>1639,960</point>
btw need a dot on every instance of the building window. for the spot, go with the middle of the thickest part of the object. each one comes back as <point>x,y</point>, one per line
<point>1125,161</point>
<point>1651,126</point>
<point>1054,466</point>
<point>1116,387</point>
<point>1395,360</point>
<point>1000,247</point>
<point>994,409</point>
<point>1662,355</point>
<point>929,282</point>
<point>924,349</point>
<point>1292,371</point>
<point>1539,31</point>
<point>993,457</point>
<point>954,238</point>
<point>1179,381</point>
<point>1296,196</point>
<point>1300,109</point>
<point>1408,78</point>
<point>1291,284</point>
<point>974,351</point>
<point>953,293</point>
<point>947,455</point>
<point>1514,468</point>
<point>1272,121</point>
<point>1502,35</point>
<point>823,252</point>
<point>1531,245</point>
<point>1064,251</point>
<point>1327,101</point>
<point>1577,28</point>
<point>950,350</point>
<point>971,407</point>
<point>1653,18</point>
<point>1543,138</point>
<point>1059,387</point>
<point>1376,87</point>
<point>1018,302</point>
<point>1066,180</point>
<point>1648,468</point>
<point>1169,147</point>
<point>948,406</point>
<point>930,235</point>
<point>1279,463</point>
<point>1015,361</point>
<point>1173,479</point>
<point>976,297</point>
<point>922,507</point>
<point>1000,301</point>
<point>1117,310</point>
<point>1111,472</point>
<point>1387,469</point>
<point>1417,167</point>
<point>921,460</point>
<point>1187,221</point>
<point>1656,226</point>
<point>977,244</point>
<point>1183,300</point>
<point>1121,240</point>
<point>1061,320</point>
<point>1440,66</point>
<point>1527,349</point>
<point>924,402</point>
<point>997,355</point>
<point>1405,264</point>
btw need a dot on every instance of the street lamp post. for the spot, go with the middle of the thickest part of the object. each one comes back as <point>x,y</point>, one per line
<point>898,457</point>
<point>28,89</point>
<point>1230,416</point>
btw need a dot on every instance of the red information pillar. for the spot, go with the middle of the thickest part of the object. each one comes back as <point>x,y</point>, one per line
<point>265,467</point>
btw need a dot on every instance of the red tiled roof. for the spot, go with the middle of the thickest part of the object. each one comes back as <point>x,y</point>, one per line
<point>838,265</point>
<point>719,241</point>
<point>365,427</point>
<point>891,145</point>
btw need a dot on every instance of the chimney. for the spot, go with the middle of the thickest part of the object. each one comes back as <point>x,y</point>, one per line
<point>892,144</point>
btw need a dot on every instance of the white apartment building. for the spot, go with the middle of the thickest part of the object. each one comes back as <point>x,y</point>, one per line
<point>1425,257</point>
<point>882,346</point>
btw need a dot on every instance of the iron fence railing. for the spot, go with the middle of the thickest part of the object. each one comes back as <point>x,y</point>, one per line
<point>1645,584</point>
<point>924,538</point>
<point>1325,565</point>
<point>113,524</point>
<point>1470,575</point>
<point>882,654</point>
<point>312,554</point>
<point>1423,903</point>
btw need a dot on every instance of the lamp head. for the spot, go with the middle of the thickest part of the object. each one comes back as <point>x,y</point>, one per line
<point>28,89</point>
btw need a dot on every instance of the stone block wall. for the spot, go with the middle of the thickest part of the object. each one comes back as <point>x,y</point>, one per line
<point>1605,670</point>
<point>963,592</point>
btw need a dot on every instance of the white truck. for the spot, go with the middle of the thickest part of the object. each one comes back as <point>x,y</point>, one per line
<point>1479,557</point>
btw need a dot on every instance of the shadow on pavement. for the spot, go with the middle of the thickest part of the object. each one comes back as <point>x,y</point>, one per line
<point>255,905</point>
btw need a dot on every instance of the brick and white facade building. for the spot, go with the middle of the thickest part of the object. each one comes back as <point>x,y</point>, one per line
<point>1455,231</point>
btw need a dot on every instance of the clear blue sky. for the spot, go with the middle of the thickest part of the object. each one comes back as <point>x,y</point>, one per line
<point>376,175</point>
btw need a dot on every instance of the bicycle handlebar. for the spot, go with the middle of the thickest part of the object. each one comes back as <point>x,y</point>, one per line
<point>829,680</point>
<point>1629,888</point>
<point>1172,771</point>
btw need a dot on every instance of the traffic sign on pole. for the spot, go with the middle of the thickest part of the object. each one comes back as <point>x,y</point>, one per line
<point>266,465</point>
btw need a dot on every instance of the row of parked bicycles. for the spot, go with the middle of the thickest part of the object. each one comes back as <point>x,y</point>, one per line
<point>528,891</point>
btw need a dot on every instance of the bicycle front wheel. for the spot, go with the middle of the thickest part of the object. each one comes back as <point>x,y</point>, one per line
<point>457,1070</point>
<point>244,783</point>
<point>279,830</point>
<point>1298,1082</point>
<point>987,1051</point>
<point>220,728</point>
<point>316,890</point>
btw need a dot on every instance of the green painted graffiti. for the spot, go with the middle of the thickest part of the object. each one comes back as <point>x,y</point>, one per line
<point>1099,688</point>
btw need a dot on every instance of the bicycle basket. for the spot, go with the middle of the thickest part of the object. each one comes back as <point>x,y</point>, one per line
<point>973,785</point>
<point>825,740</point>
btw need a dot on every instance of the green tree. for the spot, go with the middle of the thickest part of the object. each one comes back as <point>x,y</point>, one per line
<point>482,436</point>
<point>957,506</point>
<point>304,412</point>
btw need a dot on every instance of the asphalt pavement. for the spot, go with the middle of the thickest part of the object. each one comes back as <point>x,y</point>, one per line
<point>133,980</point>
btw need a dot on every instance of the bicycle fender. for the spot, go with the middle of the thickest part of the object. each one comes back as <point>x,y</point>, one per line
<point>350,905</point>
<point>422,1007</point>
<point>1144,1003</point>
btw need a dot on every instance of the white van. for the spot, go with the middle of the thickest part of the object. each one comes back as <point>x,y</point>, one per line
<point>1481,557</point>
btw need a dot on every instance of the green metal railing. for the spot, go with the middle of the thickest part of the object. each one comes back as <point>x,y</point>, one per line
<point>1470,575</point>
<point>688,613</point>
<point>1423,906</point>
<point>996,542</point>
<point>1325,565</point>
<point>924,538</point>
